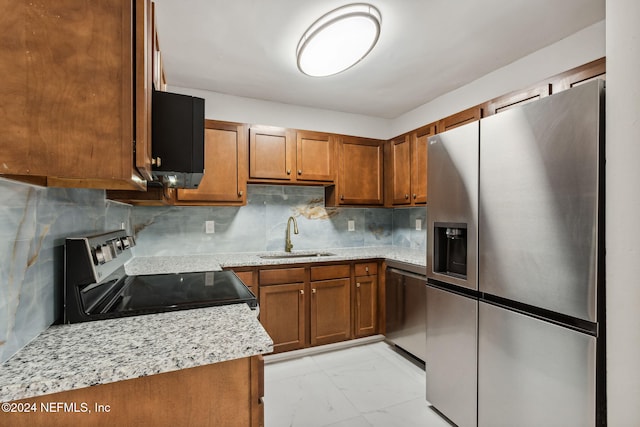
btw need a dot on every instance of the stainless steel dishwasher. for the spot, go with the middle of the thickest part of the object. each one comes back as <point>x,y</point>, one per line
<point>406,304</point>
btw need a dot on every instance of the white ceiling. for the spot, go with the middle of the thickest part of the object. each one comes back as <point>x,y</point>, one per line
<point>426,47</point>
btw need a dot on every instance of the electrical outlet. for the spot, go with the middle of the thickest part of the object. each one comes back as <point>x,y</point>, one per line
<point>418,224</point>
<point>209,227</point>
<point>351,225</point>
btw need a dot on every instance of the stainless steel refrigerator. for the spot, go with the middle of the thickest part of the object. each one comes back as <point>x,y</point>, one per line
<point>538,301</point>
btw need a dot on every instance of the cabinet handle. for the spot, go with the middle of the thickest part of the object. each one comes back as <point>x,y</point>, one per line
<point>406,196</point>
<point>313,291</point>
<point>342,197</point>
<point>301,291</point>
<point>366,269</point>
<point>299,171</point>
<point>288,171</point>
<point>357,284</point>
<point>240,193</point>
<point>415,195</point>
<point>156,161</point>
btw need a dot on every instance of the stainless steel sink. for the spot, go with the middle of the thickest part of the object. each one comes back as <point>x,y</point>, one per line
<point>297,255</point>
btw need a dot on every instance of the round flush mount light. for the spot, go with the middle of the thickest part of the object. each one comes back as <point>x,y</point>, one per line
<point>338,40</point>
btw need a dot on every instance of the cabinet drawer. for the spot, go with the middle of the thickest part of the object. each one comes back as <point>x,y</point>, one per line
<point>326,272</point>
<point>368,269</point>
<point>281,275</point>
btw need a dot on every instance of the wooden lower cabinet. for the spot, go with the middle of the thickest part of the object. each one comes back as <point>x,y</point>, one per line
<point>221,394</point>
<point>283,315</point>
<point>330,311</point>
<point>366,306</point>
<point>317,304</point>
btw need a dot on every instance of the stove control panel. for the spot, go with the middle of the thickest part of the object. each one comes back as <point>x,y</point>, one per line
<point>99,255</point>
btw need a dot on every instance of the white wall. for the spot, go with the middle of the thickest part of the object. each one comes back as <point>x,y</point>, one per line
<point>623,205</point>
<point>575,50</point>
<point>219,106</point>
<point>578,49</point>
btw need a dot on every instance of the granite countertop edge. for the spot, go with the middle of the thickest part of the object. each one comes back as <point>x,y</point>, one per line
<point>167,264</point>
<point>131,347</point>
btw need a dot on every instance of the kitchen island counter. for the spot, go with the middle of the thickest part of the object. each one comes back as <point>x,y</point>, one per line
<point>68,357</point>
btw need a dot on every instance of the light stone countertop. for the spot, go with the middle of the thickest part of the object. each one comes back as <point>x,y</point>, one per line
<point>67,357</point>
<point>217,261</point>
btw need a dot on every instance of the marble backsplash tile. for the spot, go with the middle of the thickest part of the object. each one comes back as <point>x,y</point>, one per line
<point>33,224</point>
<point>261,225</point>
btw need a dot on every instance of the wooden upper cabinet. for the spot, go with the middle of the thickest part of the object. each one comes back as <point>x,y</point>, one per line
<point>400,176</point>
<point>462,118</point>
<point>225,166</point>
<point>278,155</point>
<point>419,153</point>
<point>517,98</point>
<point>72,106</point>
<point>407,168</point>
<point>314,156</point>
<point>159,78</point>
<point>271,152</point>
<point>360,174</point>
<point>144,83</point>
<point>580,75</point>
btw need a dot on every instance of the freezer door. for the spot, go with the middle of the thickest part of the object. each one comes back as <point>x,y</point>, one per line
<point>539,200</point>
<point>453,195</point>
<point>533,373</point>
<point>451,358</point>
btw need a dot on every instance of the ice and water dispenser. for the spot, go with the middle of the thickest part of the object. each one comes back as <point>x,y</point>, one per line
<point>450,249</point>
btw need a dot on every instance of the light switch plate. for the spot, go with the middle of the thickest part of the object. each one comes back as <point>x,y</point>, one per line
<point>418,224</point>
<point>351,225</point>
<point>209,227</point>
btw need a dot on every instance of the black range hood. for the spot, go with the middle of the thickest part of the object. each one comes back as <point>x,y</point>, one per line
<point>177,139</point>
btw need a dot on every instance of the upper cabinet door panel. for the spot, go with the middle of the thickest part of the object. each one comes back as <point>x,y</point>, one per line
<point>361,174</point>
<point>224,178</point>
<point>314,156</point>
<point>270,153</point>
<point>419,154</point>
<point>144,80</point>
<point>401,174</point>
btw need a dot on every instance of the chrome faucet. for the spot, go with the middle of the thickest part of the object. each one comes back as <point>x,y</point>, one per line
<point>287,244</point>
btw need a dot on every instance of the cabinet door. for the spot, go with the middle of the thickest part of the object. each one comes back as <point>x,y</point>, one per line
<point>330,311</point>
<point>78,131</point>
<point>401,170</point>
<point>360,173</point>
<point>314,156</point>
<point>419,152</point>
<point>518,98</point>
<point>225,170</point>
<point>282,313</point>
<point>366,305</point>
<point>144,81</point>
<point>271,153</point>
<point>462,118</point>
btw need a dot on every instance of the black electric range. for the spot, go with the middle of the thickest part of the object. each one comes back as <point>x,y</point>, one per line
<point>97,287</point>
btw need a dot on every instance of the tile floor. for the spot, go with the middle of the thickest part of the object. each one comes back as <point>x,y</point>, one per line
<point>368,385</point>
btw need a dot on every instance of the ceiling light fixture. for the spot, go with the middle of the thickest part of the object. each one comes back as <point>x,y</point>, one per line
<point>338,40</point>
